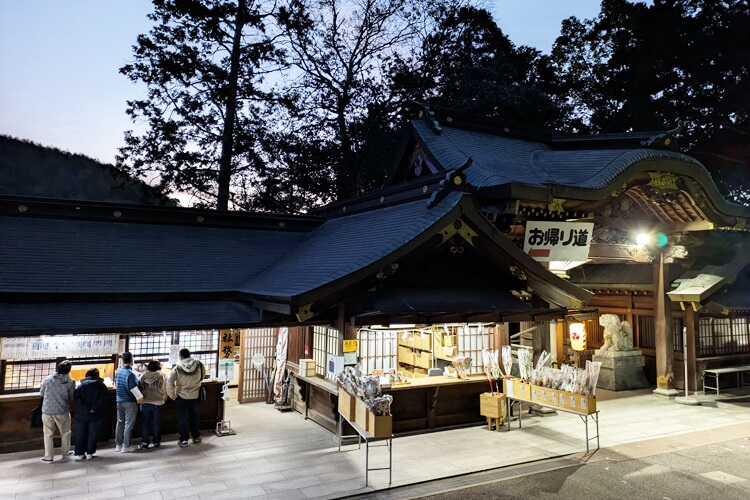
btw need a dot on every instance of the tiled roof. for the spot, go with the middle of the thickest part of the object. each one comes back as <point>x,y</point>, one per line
<point>78,256</point>
<point>347,244</point>
<point>31,318</point>
<point>499,159</point>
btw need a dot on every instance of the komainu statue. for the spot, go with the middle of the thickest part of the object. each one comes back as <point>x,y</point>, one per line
<point>618,335</point>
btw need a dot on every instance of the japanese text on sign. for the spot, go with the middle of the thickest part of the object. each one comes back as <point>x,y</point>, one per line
<point>58,346</point>
<point>226,346</point>
<point>548,241</point>
<point>351,345</point>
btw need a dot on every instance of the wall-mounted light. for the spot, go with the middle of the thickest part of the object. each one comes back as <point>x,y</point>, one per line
<point>657,239</point>
<point>577,336</point>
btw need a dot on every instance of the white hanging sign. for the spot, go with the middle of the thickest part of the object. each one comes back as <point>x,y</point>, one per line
<point>60,346</point>
<point>546,241</point>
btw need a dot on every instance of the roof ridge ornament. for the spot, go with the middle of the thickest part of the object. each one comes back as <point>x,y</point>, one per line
<point>428,115</point>
<point>455,180</point>
<point>664,140</point>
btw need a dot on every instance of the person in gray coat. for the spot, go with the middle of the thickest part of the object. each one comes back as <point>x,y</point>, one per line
<point>57,391</point>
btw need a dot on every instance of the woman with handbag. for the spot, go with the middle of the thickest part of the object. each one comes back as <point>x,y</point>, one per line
<point>91,402</point>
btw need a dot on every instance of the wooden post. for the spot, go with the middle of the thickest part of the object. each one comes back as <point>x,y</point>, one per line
<point>502,336</point>
<point>664,339</point>
<point>690,350</point>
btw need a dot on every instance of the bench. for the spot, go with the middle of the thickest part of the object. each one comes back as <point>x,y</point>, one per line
<point>715,373</point>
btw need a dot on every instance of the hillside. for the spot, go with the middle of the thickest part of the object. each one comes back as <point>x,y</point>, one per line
<point>29,169</point>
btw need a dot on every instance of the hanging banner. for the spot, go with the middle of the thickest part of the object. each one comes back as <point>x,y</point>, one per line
<point>58,346</point>
<point>561,241</point>
<point>226,344</point>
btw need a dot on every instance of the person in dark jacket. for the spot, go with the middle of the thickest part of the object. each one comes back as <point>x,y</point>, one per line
<point>91,403</point>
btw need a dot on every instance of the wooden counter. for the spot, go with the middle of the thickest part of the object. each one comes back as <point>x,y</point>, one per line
<point>427,403</point>
<point>16,435</point>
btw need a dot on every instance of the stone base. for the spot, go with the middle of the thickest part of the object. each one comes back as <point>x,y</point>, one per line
<point>670,393</point>
<point>621,370</point>
<point>541,411</point>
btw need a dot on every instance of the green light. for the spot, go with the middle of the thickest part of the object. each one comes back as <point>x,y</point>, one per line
<point>661,240</point>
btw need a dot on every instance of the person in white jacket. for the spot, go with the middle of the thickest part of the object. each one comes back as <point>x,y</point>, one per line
<point>184,386</point>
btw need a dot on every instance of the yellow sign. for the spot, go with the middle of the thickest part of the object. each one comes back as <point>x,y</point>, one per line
<point>351,345</point>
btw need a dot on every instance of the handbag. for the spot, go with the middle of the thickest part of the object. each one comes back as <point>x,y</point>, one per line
<point>35,417</point>
<point>202,394</point>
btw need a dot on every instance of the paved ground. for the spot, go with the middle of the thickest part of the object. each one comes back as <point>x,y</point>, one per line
<point>281,455</point>
<point>716,471</point>
<point>663,468</point>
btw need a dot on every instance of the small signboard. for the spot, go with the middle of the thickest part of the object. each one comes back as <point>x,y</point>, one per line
<point>351,345</point>
<point>226,369</point>
<point>226,344</point>
<point>547,241</point>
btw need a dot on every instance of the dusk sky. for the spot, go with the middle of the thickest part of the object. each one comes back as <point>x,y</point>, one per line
<point>60,85</point>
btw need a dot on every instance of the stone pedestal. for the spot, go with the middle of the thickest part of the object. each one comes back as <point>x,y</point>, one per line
<point>621,370</point>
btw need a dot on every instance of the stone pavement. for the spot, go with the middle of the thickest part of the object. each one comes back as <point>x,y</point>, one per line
<point>281,455</point>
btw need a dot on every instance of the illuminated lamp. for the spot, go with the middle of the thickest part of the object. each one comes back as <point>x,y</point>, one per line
<point>577,336</point>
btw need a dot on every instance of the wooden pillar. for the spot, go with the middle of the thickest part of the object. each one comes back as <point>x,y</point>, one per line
<point>502,336</point>
<point>690,350</point>
<point>558,349</point>
<point>664,339</point>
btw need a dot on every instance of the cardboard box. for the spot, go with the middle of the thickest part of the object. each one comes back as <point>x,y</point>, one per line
<point>405,355</point>
<point>449,340</point>
<point>587,404</point>
<point>492,405</point>
<point>360,413</point>
<point>379,427</point>
<point>554,397</point>
<point>544,391</point>
<point>572,401</point>
<point>307,367</point>
<point>347,405</point>
<point>536,393</point>
<point>424,340</point>
<point>423,360</point>
<point>510,387</point>
<point>449,351</point>
<point>524,391</point>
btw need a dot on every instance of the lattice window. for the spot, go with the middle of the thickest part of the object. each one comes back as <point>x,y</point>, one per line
<point>705,337</point>
<point>203,345</point>
<point>377,350</point>
<point>325,342</point>
<point>471,340</point>
<point>718,336</point>
<point>645,332</point>
<point>741,333</point>
<point>26,375</point>
<point>151,346</point>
